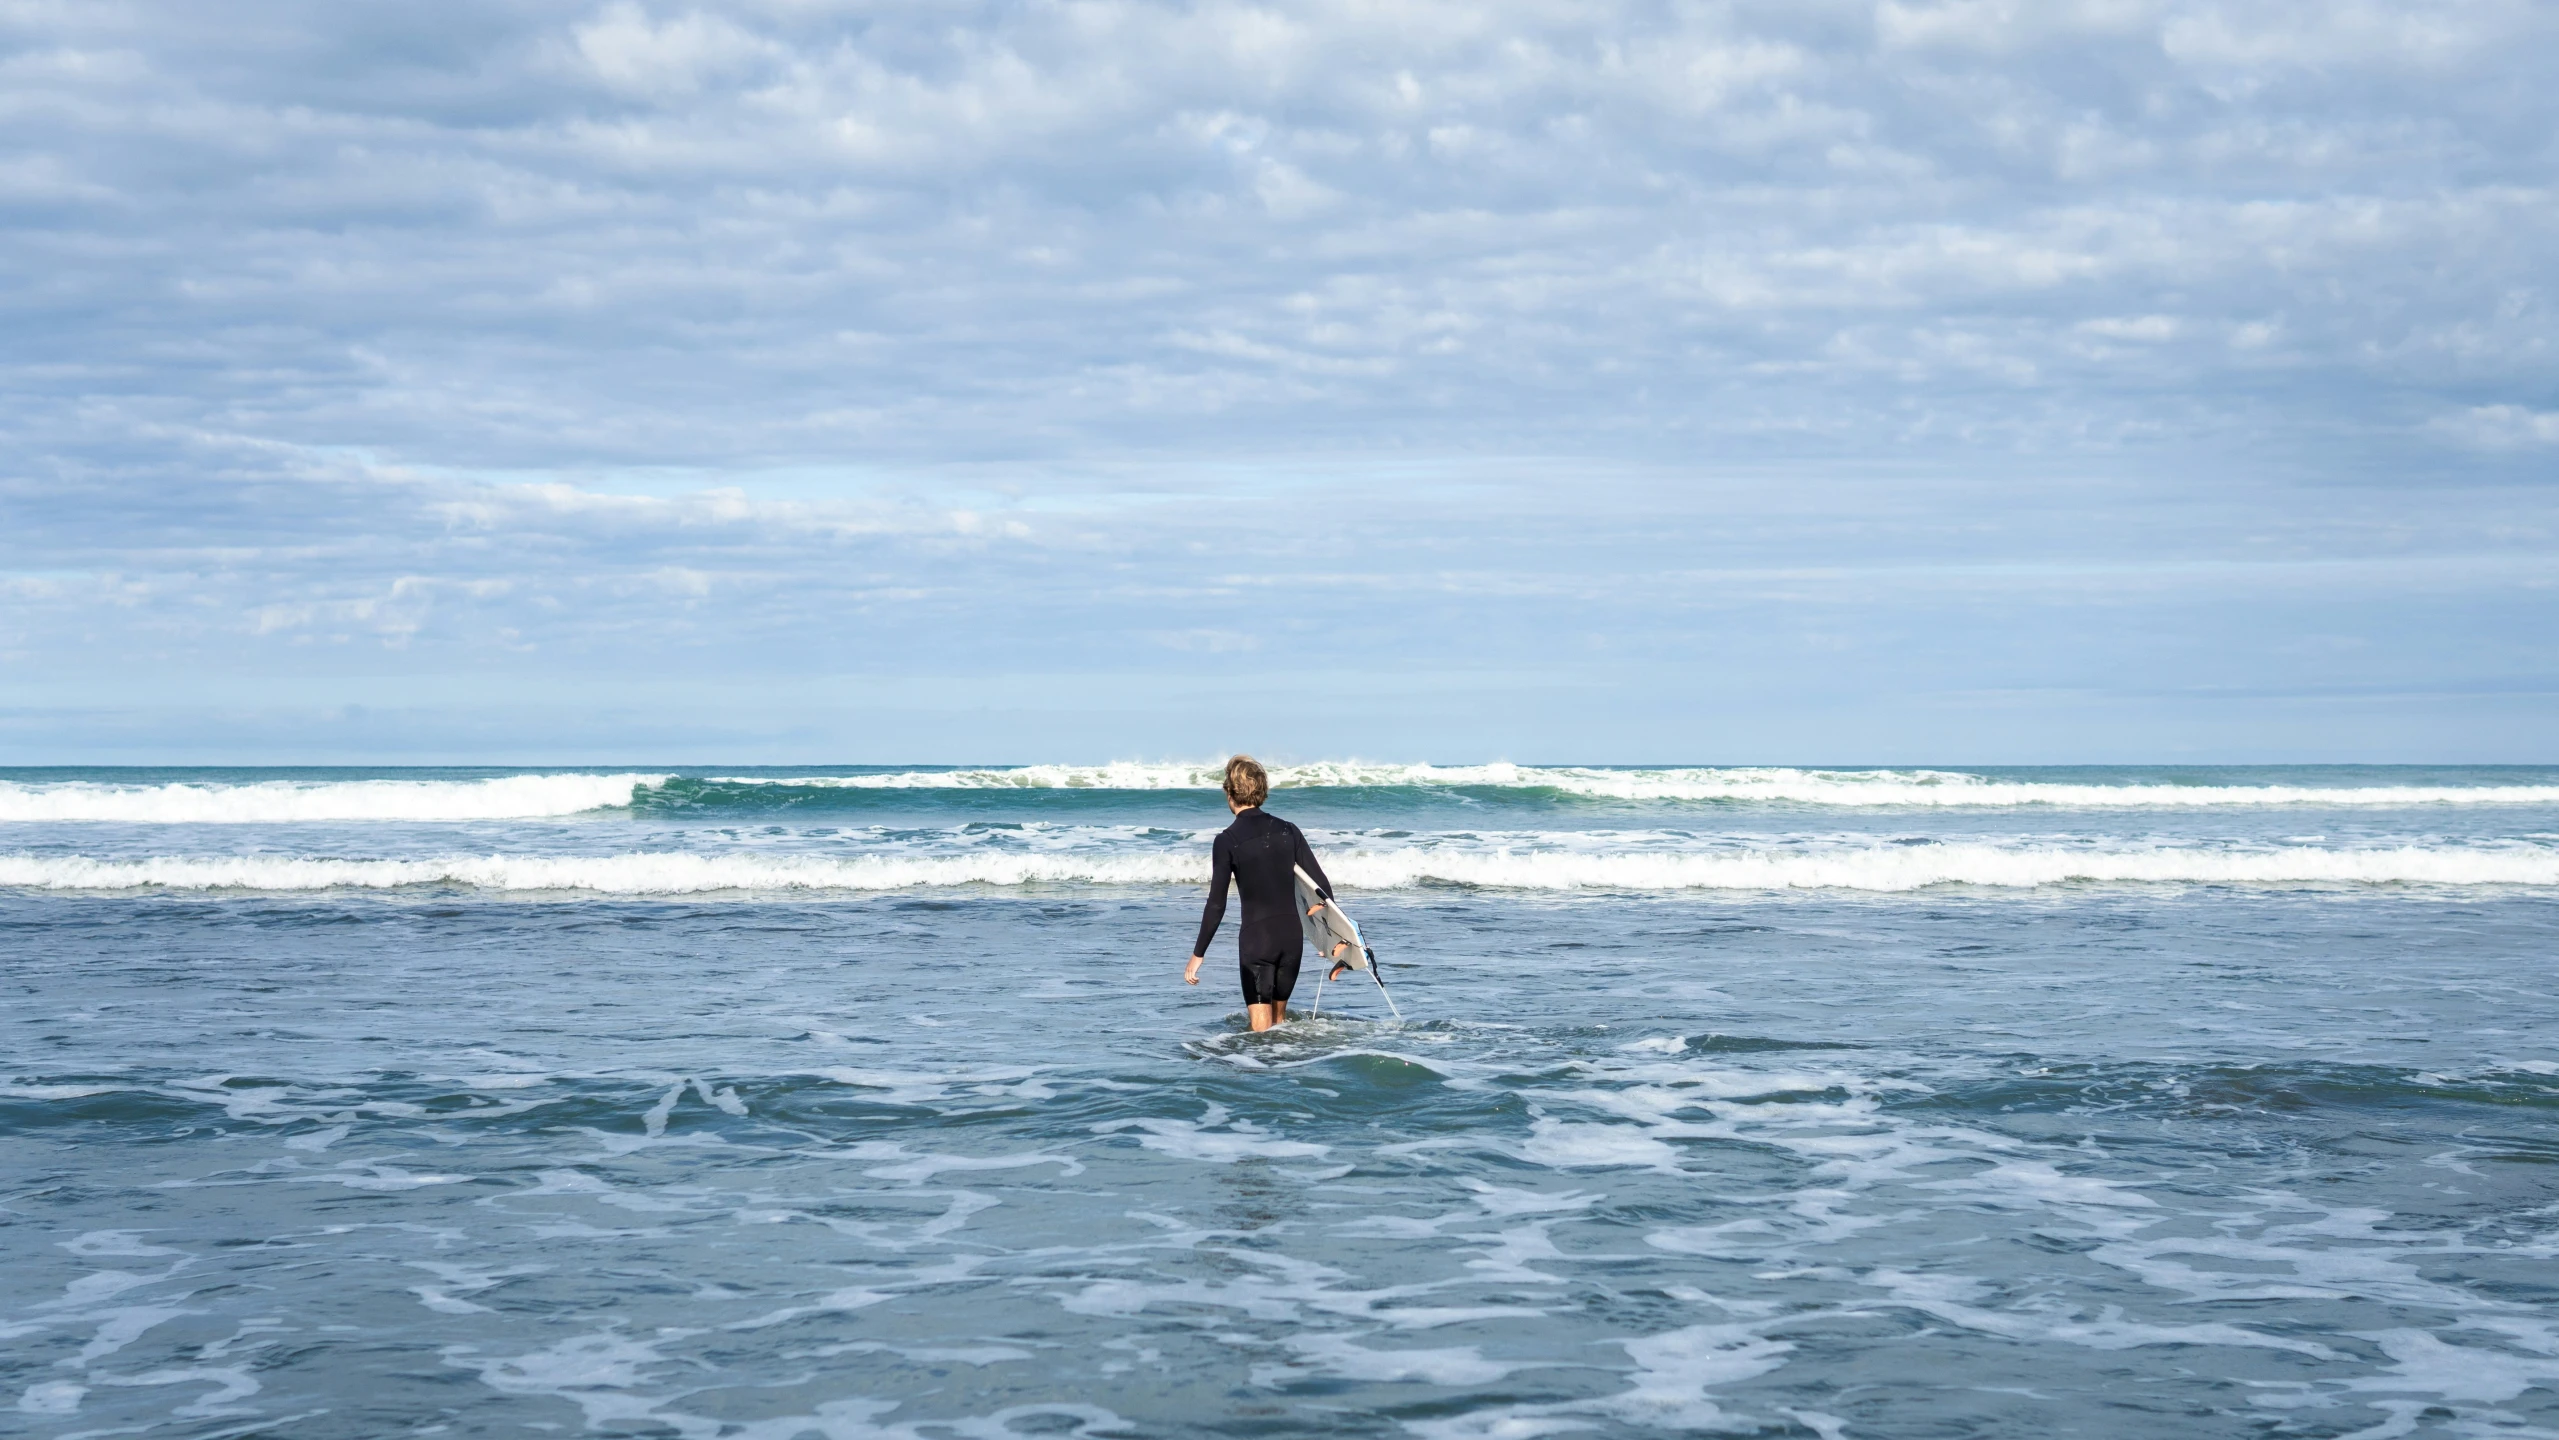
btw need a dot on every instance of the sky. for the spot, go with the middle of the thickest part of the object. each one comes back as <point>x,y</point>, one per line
<point>789,381</point>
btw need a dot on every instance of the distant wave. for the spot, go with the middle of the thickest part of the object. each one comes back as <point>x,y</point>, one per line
<point>510,797</point>
<point>1870,868</point>
<point>1925,788</point>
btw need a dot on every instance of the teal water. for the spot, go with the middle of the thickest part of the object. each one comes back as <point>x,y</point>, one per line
<point>822,1110</point>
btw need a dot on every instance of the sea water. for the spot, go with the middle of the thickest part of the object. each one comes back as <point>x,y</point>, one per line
<point>860,1102</point>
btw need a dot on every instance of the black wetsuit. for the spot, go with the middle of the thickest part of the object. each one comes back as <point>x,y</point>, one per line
<point>1258,852</point>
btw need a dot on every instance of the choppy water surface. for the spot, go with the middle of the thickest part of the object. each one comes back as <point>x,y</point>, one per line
<point>853,1104</point>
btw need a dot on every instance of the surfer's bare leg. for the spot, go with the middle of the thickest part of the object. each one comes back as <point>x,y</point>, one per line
<point>1263,1016</point>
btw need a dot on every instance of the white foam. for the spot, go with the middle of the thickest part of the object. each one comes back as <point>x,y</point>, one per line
<point>1281,1287</point>
<point>231,1383</point>
<point>1511,1257</point>
<point>509,797</point>
<point>2342,1254</point>
<point>1213,1138</point>
<point>1950,1298</point>
<point>1567,1146</point>
<point>910,1087</point>
<point>1677,1369</point>
<point>922,1167</point>
<point>99,1285</point>
<point>605,1360</point>
<point>1502,1200</point>
<point>124,1325</point>
<point>52,1397</point>
<point>1639,864</point>
<point>1501,1422</point>
<point>2461,1373</point>
<point>2034,1184</point>
<point>674,873</point>
<point>100,1243</point>
<point>1353,1357</point>
<point>358,1175</point>
<point>1913,867</point>
<point>1777,784</point>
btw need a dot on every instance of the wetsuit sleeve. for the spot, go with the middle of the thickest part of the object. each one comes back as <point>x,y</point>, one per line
<point>1306,858</point>
<point>1221,873</point>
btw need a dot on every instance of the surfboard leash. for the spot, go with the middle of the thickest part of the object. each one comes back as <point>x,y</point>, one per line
<point>1378,975</point>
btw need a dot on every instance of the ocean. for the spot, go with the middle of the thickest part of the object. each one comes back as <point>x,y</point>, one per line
<point>854,1102</point>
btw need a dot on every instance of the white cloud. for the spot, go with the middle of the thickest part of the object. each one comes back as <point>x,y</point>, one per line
<point>1041,295</point>
<point>757,233</point>
<point>2426,35</point>
<point>2002,26</point>
<point>2502,427</point>
<point>2148,329</point>
<point>663,59</point>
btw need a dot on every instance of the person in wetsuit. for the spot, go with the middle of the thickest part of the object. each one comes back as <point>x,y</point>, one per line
<point>1258,853</point>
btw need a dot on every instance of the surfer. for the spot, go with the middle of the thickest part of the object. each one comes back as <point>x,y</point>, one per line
<point>1259,854</point>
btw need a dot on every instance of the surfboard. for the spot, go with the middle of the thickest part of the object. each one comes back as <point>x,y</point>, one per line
<point>1335,939</point>
<point>1329,932</point>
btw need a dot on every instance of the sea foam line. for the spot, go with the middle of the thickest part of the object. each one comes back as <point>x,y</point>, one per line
<point>1900,788</point>
<point>506,797</point>
<point>538,796</point>
<point>1868,868</point>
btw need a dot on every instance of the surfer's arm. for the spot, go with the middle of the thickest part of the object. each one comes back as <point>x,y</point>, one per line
<point>1306,858</point>
<point>1221,874</point>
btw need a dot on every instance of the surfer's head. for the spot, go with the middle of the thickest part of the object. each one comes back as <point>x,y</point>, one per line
<point>1247,783</point>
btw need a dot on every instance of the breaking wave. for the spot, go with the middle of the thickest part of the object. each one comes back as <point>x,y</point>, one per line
<point>1845,867</point>
<point>506,797</point>
<point>217,801</point>
<point>1927,788</point>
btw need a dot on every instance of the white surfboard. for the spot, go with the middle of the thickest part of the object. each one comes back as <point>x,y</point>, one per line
<point>1329,933</point>
<point>1335,939</point>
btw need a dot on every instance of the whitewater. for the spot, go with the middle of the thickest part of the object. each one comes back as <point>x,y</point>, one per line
<point>232,801</point>
<point>238,799</point>
<point>1558,830</point>
<point>1538,866</point>
<point>865,1103</point>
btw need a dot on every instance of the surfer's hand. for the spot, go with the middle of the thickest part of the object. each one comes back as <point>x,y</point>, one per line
<point>1315,909</point>
<point>1191,974</point>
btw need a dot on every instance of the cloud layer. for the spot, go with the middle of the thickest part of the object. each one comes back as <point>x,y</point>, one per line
<point>1791,363</point>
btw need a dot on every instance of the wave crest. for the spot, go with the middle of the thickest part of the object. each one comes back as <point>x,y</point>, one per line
<point>516,797</point>
<point>506,797</point>
<point>1739,784</point>
<point>1855,868</point>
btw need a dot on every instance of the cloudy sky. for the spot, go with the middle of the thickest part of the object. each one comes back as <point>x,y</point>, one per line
<point>793,380</point>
